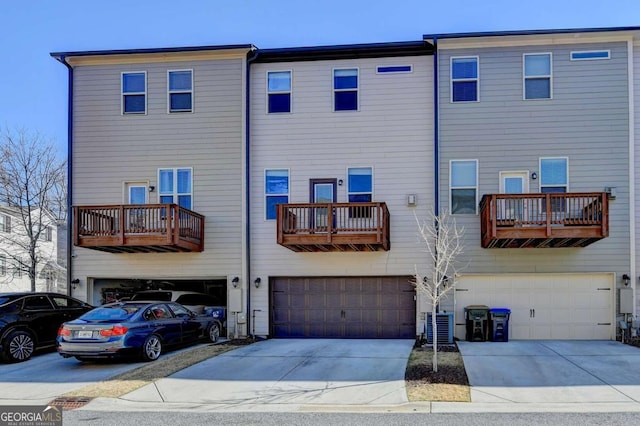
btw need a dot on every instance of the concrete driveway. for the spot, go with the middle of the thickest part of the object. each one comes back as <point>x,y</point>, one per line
<point>291,371</point>
<point>552,371</point>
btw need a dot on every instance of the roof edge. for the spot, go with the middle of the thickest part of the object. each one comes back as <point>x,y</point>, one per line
<point>151,50</point>
<point>527,32</point>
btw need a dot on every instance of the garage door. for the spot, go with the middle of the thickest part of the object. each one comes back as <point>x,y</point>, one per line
<point>343,307</point>
<point>544,306</point>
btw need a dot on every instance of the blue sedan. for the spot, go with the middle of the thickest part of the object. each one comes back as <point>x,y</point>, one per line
<point>133,328</point>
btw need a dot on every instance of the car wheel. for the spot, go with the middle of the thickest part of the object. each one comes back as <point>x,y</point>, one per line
<point>213,333</point>
<point>18,346</point>
<point>152,348</point>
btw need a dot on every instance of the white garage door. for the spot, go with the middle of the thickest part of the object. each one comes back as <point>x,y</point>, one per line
<point>544,306</point>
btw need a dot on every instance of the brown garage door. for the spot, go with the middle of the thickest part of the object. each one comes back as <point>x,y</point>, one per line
<point>343,307</point>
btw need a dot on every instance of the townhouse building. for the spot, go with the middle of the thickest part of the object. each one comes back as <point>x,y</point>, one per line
<point>288,181</point>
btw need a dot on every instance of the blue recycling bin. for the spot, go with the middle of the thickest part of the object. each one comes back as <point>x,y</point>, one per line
<point>499,324</point>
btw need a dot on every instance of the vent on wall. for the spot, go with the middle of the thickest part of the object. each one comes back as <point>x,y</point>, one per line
<point>444,324</point>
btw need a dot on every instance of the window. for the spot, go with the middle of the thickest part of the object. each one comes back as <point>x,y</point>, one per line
<point>360,184</point>
<point>17,267</point>
<point>65,302</point>
<point>46,233</point>
<point>590,55</point>
<point>394,69</point>
<point>464,79</point>
<point>276,190</point>
<point>37,303</point>
<point>463,180</point>
<point>3,265</point>
<point>134,92</point>
<point>554,179</point>
<point>537,76</point>
<point>5,223</point>
<point>180,90</point>
<point>279,91</point>
<point>176,186</point>
<point>345,89</point>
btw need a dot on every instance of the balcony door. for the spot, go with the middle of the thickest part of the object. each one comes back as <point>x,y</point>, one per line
<point>513,208</point>
<point>322,191</point>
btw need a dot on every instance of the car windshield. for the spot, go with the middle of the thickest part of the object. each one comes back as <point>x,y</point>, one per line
<point>112,313</point>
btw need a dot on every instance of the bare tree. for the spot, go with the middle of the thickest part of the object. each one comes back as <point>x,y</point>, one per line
<point>441,239</point>
<point>32,190</point>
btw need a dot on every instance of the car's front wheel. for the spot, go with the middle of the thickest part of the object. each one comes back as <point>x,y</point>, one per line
<point>152,348</point>
<point>18,346</point>
<point>213,333</point>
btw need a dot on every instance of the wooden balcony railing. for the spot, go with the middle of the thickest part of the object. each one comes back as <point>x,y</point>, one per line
<point>543,220</point>
<point>138,228</point>
<point>333,226</point>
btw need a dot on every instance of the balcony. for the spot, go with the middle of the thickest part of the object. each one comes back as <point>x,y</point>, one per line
<point>138,228</point>
<point>333,227</point>
<point>543,220</point>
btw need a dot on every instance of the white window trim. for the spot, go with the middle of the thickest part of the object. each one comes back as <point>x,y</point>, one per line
<point>6,219</point>
<point>372,181</point>
<point>290,92</point>
<point>122,94</point>
<point>608,52</point>
<point>175,185</point>
<point>463,187</point>
<point>394,72</point>
<point>333,92</point>
<point>477,80</point>
<point>549,76</point>
<point>264,189</point>
<point>170,92</point>
<point>3,265</point>
<point>540,185</point>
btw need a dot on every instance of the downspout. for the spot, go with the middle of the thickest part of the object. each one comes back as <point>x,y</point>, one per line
<point>436,131</point>
<point>632,182</point>
<point>251,56</point>
<point>62,59</point>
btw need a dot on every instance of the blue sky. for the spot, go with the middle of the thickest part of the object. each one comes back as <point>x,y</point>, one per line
<point>34,85</point>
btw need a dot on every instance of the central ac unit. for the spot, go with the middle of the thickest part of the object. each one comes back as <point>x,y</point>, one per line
<point>444,324</point>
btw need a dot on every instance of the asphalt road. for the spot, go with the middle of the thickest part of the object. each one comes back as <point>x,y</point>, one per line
<point>344,419</point>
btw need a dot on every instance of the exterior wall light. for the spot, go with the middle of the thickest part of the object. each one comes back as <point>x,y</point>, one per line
<point>257,282</point>
<point>534,176</point>
<point>626,280</point>
<point>235,282</point>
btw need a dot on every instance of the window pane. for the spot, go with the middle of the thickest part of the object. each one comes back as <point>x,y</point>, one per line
<point>537,65</point>
<point>134,103</point>
<point>537,88</point>
<point>465,91</point>
<point>463,201</point>
<point>345,79</point>
<point>180,80</point>
<point>271,204</point>
<point>463,173</point>
<point>280,102</point>
<point>277,182</point>
<point>279,81</point>
<point>133,83</point>
<point>513,185</point>
<point>359,198</point>
<point>464,68</point>
<point>184,181</point>
<point>180,101</point>
<point>184,201</point>
<point>346,101</point>
<point>166,199</point>
<point>137,194</point>
<point>553,171</point>
<point>166,181</point>
<point>360,180</point>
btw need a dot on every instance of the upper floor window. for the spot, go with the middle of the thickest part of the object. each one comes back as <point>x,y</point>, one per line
<point>345,89</point>
<point>464,79</point>
<point>46,233</point>
<point>180,90</point>
<point>176,186</point>
<point>276,190</point>
<point>463,182</point>
<point>134,92</point>
<point>537,76</point>
<point>554,174</point>
<point>394,69</point>
<point>360,184</point>
<point>279,91</point>
<point>5,223</point>
<point>590,55</point>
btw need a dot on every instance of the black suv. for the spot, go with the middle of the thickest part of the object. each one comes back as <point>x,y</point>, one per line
<point>30,321</point>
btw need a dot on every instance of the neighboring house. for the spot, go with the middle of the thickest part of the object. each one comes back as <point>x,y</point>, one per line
<point>287,181</point>
<point>342,136</point>
<point>535,140</point>
<point>14,254</point>
<point>157,171</point>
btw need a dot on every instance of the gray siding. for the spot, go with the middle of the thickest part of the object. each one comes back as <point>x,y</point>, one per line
<point>111,148</point>
<point>392,132</point>
<point>586,121</point>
